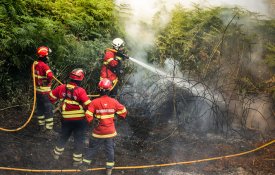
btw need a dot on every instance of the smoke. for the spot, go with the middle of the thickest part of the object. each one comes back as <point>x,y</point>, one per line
<point>143,13</point>
<point>140,37</point>
<point>140,33</point>
<point>263,7</point>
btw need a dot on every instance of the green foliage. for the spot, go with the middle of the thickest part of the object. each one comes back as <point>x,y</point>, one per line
<point>74,29</point>
<point>218,42</point>
<point>268,29</point>
<point>270,55</point>
<point>189,37</point>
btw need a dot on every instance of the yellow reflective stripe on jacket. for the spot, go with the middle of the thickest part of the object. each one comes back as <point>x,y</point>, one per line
<point>73,115</point>
<point>72,102</point>
<point>108,61</point>
<point>119,58</point>
<point>105,116</point>
<point>89,113</point>
<point>51,95</point>
<point>40,76</point>
<point>48,71</point>
<point>43,88</point>
<point>104,136</point>
<point>81,111</point>
<point>121,111</point>
<point>70,86</point>
<point>87,102</point>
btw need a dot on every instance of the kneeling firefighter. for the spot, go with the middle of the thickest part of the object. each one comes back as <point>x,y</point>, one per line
<point>112,63</point>
<point>74,101</point>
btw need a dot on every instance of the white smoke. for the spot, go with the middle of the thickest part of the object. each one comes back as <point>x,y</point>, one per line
<point>139,30</point>
<point>140,33</point>
<point>258,6</point>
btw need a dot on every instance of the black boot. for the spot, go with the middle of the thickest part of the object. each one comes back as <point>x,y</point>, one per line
<point>84,167</point>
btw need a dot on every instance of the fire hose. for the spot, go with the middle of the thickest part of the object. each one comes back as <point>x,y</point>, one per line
<point>141,166</point>
<point>33,107</point>
<point>34,102</point>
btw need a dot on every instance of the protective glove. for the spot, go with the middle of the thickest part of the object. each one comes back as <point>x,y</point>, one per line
<point>122,55</point>
<point>125,57</point>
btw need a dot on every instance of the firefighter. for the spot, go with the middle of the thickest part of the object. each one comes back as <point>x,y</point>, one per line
<point>43,79</point>
<point>103,111</point>
<point>74,101</point>
<point>112,63</point>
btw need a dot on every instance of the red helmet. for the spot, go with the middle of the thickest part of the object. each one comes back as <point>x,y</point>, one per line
<point>77,74</point>
<point>105,84</point>
<point>43,51</point>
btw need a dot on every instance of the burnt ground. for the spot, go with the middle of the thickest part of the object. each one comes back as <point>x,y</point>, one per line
<point>163,143</point>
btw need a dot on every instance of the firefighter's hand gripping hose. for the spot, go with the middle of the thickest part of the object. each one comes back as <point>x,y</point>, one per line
<point>141,166</point>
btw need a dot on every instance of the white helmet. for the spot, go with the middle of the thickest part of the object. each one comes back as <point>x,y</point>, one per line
<point>117,43</point>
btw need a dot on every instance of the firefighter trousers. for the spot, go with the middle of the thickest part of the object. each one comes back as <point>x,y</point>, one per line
<point>96,143</point>
<point>44,110</point>
<point>76,128</point>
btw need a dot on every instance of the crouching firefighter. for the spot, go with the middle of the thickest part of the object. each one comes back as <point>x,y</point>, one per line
<point>74,101</point>
<point>112,63</point>
<point>103,109</point>
<point>43,81</point>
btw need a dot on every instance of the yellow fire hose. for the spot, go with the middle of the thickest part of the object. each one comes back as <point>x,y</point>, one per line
<point>33,107</point>
<point>34,103</point>
<point>121,167</point>
<point>141,166</point>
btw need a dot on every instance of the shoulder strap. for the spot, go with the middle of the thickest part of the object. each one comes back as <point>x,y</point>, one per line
<point>71,91</point>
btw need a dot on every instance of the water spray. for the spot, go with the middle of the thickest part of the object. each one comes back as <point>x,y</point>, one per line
<point>195,88</point>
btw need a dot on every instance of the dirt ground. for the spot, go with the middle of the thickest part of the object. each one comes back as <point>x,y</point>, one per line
<point>163,144</point>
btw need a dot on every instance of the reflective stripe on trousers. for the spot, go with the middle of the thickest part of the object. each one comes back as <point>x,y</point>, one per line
<point>58,151</point>
<point>77,157</point>
<point>76,128</point>
<point>95,144</point>
<point>41,120</point>
<point>44,106</point>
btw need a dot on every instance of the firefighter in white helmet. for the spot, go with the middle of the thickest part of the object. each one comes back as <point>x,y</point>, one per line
<point>112,63</point>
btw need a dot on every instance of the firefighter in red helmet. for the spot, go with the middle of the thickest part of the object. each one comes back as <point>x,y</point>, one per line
<point>112,63</point>
<point>43,79</point>
<point>103,110</point>
<point>74,102</point>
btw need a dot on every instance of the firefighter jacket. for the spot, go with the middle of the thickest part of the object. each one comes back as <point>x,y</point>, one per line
<point>74,101</point>
<point>43,77</point>
<point>104,109</point>
<point>111,66</point>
